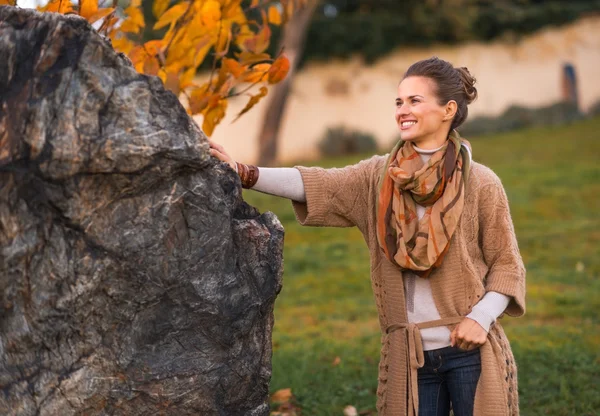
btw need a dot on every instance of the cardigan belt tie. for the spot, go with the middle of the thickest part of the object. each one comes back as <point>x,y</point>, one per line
<point>415,355</point>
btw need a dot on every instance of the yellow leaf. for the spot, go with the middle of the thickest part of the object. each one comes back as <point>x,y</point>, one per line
<point>187,78</point>
<point>223,40</point>
<point>254,99</point>
<point>211,13</point>
<point>213,116</point>
<point>100,14</point>
<point>87,8</point>
<point>134,22</point>
<point>274,15</point>
<point>123,44</point>
<point>279,69</point>
<point>258,73</point>
<point>172,15</point>
<point>159,7</point>
<point>248,58</point>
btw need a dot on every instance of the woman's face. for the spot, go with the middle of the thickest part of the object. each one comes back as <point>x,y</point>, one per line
<point>420,118</point>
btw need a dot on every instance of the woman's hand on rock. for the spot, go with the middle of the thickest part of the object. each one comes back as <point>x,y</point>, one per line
<point>468,335</point>
<point>219,152</point>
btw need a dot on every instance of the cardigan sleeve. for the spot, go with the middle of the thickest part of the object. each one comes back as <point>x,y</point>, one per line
<point>506,271</point>
<point>336,197</point>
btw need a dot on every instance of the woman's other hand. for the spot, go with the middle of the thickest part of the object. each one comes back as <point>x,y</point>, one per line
<point>219,152</point>
<point>468,335</point>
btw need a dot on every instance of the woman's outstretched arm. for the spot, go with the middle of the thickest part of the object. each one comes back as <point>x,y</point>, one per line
<point>282,182</point>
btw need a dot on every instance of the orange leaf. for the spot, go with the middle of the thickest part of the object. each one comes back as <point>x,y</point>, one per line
<point>279,69</point>
<point>58,6</point>
<point>87,8</point>
<point>159,7</point>
<point>274,15</point>
<point>172,82</point>
<point>260,42</point>
<point>198,99</point>
<point>254,99</point>
<point>281,396</point>
<point>213,116</point>
<point>172,15</point>
<point>233,66</point>
<point>8,2</point>
<point>151,66</point>
<point>254,3</point>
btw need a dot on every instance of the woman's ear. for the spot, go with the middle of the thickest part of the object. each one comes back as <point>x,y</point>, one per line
<point>450,110</point>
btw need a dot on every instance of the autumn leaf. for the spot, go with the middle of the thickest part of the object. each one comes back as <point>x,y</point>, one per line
<point>233,66</point>
<point>159,7</point>
<point>213,116</point>
<point>211,13</point>
<point>172,82</point>
<point>259,43</point>
<point>281,396</point>
<point>171,15</point>
<point>258,73</point>
<point>58,6</point>
<point>274,15</point>
<point>249,58</point>
<point>336,361</point>
<point>87,8</point>
<point>254,4</point>
<point>198,99</point>
<point>100,14</point>
<point>187,78</point>
<point>279,69</point>
<point>135,20</point>
<point>254,99</point>
<point>8,2</point>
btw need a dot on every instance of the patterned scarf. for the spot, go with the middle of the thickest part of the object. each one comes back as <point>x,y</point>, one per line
<point>438,185</point>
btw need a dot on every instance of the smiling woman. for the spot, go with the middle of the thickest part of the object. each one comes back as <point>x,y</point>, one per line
<point>444,257</point>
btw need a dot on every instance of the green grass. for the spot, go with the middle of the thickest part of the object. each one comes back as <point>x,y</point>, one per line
<point>326,308</point>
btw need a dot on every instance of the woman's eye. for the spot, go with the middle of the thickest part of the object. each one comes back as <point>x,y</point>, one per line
<point>414,101</point>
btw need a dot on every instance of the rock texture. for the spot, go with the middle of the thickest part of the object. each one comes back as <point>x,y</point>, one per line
<point>134,279</point>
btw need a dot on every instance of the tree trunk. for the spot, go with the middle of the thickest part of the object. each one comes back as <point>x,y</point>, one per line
<point>294,36</point>
<point>134,279</point>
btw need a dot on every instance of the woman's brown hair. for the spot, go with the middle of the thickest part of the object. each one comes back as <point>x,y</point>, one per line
<point>451,84</point>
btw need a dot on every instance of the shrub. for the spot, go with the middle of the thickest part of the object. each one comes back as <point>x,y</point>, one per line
<point>339,141</point>
<point>516,117</point>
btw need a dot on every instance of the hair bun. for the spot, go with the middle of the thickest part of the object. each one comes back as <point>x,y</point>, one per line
<point>468,82</point>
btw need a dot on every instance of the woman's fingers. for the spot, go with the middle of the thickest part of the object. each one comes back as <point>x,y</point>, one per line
<point>219,152</point>
<point>468,335</point>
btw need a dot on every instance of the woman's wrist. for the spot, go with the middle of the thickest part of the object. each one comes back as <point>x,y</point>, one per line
<point>248,174</point>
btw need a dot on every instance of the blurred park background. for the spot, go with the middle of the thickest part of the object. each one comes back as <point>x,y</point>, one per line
<point>536,124</point>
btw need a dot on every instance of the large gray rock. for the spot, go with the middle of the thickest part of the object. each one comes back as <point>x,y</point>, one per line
<point>134,279</point>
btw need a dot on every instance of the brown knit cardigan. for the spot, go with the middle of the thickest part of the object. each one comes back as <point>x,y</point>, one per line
<point>483,256</point>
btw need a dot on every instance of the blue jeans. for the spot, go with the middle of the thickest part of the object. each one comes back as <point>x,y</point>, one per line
<point>448,377</point>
